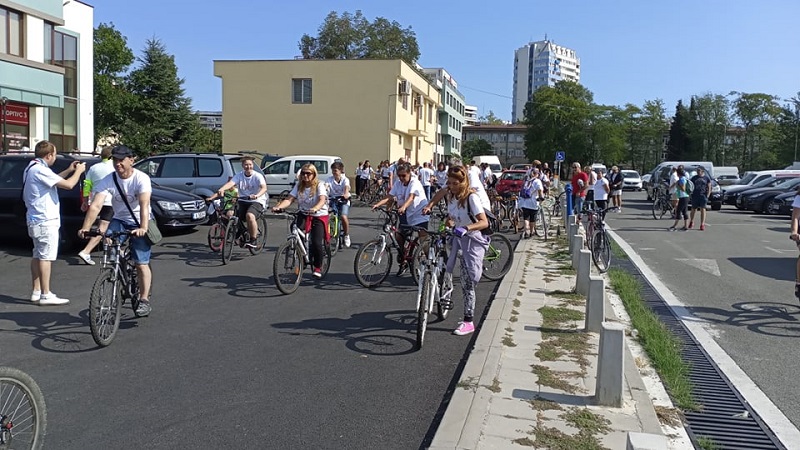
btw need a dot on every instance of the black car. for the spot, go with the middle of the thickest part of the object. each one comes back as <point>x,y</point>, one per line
<point>758,200</point>
<point>782,204</point>
<point>172,208</point>
<point>731,193</point>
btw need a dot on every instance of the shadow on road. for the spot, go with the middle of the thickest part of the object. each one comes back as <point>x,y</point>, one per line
<point>772,268</point>
<point>774,319</point>
<point>242,286</point>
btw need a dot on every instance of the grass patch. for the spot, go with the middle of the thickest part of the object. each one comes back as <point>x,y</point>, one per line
<point>516,303</point>
<point>585,420</point>
<point>566,270</point>
<point>495,387</point>
<point>514,312</point>
<point>509,330</point>
<point>527,442</point>
<point>547,377</point>
<point>470,383</point>
<point>543,404</point>
<point>554,439</point>
<point>552,317</point>
<point>547,279</point>
<point>568,295</point>
<point>661,345</point>
<point>617,251</point>
<point>560,254</point>
<point>707,443</point>
<point>508,341</point>
<point>548,351</point>
<point>558,341</point>
<point>513,319</point>
<point>522,282</point>
<point>669,416</point>
<point>519,293</point>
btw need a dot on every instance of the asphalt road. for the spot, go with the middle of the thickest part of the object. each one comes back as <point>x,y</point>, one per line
<point>226,361</point>
<point>738,276</point>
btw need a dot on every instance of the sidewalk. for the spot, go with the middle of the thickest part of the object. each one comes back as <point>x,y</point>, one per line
<point>530,378</point>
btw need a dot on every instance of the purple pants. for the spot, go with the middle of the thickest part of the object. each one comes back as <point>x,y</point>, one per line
<point>473,247</point>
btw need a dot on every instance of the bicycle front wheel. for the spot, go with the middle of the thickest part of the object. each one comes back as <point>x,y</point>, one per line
<point>498,258</point>
<point>261,240</point>
<point>105,308</point>
<point>372,264</point>
<point>228,242</point>
<point>216,236</point>
<point>22,409</point>
<point>660,207</point>
<point>544,221</point>
<point>422,309</point>
<point>418,257</point>
<point>287,268</point>
<point>333,229</point>
<point>601,250</point>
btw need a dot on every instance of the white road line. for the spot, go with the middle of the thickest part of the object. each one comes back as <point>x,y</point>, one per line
<point>706,265</point>
<point>779,251</point>
<point>788,434</point>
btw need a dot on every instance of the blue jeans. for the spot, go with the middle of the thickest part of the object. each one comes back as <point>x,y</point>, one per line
<point>140,247</point>
<point>577,204</point>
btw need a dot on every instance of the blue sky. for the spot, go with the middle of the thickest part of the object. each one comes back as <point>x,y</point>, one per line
<point>630,50</point>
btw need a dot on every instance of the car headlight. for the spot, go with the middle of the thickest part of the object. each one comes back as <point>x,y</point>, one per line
<point>169,206</point>
<point>715,189</point>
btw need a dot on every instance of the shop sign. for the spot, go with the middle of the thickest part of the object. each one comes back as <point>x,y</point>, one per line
<point>17,114</point>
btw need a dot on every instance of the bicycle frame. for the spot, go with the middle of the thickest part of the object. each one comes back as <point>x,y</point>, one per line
<point>300,239</point>
<point>116,256</point>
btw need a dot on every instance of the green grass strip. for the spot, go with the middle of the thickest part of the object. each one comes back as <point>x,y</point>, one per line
<point>661,345</point>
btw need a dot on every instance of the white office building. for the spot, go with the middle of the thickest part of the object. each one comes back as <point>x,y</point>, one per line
<point>541,63</point>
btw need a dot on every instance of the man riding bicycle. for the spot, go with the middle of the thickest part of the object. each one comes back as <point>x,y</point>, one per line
<point>339,196</point>
<point>252,196</point>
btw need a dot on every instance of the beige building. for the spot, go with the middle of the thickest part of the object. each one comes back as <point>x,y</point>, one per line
<point>508,141</point>
<point>354,109</point>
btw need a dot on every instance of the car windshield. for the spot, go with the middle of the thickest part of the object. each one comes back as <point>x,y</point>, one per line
<point>746,179</point>
<point>513,176</point>
<point>785,182</point>
<point>630,174</point>
<point>496,167</point>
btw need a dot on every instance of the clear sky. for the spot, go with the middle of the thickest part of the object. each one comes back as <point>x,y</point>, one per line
<point>630,50</point>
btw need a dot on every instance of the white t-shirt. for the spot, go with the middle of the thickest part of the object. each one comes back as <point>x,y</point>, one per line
<point>531,203</point>
<point>250,186</point>
<point>474,174</point>
<point>336,188</point>
<point>307,200</point>
<point>96,173</point>
<point>365,173</point>
<point>385,171</point>
<point>592,180</point>
<point>460,215</point>
<point>599,191</point>
<point>487,175</point>
<point>475,183</point>
<point>134,185</point>
<point>441,177</point>
<point>401,193</point>
<point>40,193</point>
<point>425,174</point>
<point>673,179</point>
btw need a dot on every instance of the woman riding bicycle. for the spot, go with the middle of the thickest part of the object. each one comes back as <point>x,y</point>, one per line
<point>312,201</point>
<point>339,192</point>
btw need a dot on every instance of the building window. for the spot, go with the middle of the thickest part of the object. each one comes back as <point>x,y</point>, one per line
<point>430,112</point>
<point>64,126</point>
<point>11,32</point>
<point>62,51</point>
<point>301,90</point>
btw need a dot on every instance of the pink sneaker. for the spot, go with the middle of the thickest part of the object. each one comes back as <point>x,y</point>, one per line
<point>464,328</point>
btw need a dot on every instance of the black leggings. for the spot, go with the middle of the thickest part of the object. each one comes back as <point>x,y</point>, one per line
<point>682,209</point>
<point>317,250</point>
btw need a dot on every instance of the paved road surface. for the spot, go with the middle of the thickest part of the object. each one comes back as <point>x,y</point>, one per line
<point>737,275</point>
<point>227,361</point>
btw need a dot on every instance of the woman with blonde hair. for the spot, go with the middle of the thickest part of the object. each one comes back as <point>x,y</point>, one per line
<point>466,212</point>
<point>312,201</point>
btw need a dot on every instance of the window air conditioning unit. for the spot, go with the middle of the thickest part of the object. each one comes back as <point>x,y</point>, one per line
<point>405,87</point>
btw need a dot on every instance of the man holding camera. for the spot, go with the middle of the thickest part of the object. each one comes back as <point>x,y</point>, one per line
<point>40,193</point>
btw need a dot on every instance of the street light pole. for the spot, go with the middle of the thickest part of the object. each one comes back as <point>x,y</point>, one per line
<point>3,102</point>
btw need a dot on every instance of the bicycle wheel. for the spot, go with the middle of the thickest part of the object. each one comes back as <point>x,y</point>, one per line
<point>422,308</point>
<point>498,258</point>
<point>515,220</point>
<point>441,309</point>
<point>132,291</point>
<point>229,241</point>
<point>544,222</point>
<point>261,240</point>
<point>23,413</point>
<point>372,265</point>
<point>659,209</point>
<point>418,256</point>
<point>216,234</point>
<point>287,268</point>
<point>333,229</point>
<point>601,250</point>
<point>105,308</point>
<point>326,259</point>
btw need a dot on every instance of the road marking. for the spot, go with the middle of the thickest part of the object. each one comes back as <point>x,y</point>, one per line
<point>772,416</point>
<point>646,248</point>
<point>706,265</point>
<point>780,252</point>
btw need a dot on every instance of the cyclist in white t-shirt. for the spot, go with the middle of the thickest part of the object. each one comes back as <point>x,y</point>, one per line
<point>339,197</point>
<point>253,198</point>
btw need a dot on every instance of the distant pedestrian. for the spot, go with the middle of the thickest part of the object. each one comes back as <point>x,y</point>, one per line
<point>441,176</point>
<point>40,193</point>
<point>530,194</point>
<point>589,202</point>
<point>682,194</point>
<point>673,187</point>
<point>601,191</point>
<point>580,184</point>
<point>364,177</point>
<point>615,181</point>
<point>357,177</point>
<point>700,196</point>
<point>426,178</point>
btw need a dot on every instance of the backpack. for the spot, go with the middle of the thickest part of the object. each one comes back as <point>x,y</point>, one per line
<point>525,192</point>
<point>488,231</point>
<point>689,186</point>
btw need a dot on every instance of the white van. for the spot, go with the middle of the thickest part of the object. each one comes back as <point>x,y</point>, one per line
<point>751,178</point>
<point>726,175</point>
<point>492,160</point>
<point>281,174</point>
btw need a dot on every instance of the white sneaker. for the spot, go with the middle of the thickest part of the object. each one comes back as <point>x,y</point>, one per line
<point>85,257</point>
<point>35,296</point>
<point>52,299</point>
<point>347,240</point>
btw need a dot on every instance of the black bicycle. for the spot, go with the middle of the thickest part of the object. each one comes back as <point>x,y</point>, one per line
<point>236,233</point>
<point>118,281</point>
<point>23,414</point>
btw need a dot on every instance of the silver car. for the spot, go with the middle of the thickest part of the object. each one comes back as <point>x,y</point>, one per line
<point>631,180</point>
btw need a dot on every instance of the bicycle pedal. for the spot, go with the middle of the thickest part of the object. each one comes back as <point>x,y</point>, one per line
<point>446,303</point>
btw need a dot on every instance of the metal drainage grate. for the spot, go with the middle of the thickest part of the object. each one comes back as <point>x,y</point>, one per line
<point>720,419</point>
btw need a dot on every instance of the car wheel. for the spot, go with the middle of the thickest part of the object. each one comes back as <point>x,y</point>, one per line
<point>716,206</point>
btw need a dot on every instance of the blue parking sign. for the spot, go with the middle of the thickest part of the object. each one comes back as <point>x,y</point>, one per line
<point>560,156</point>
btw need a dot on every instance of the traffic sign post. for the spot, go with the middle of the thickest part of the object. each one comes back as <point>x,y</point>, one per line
<point>560,156</point>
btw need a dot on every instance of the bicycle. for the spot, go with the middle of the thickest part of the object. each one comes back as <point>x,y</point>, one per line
<point>373,260</point>
<point>432,290</point>
<point>216,232</point>
<point>23,413</point>
<point>662,204</point>
<point>335,226</point>
<point>498,257</point>
<point>293,256</point>
<point>118,281</point>
<point>598,241</point>
<point>236,233</point>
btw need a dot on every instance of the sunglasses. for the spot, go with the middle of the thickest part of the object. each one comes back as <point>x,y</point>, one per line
<point>306,173</point>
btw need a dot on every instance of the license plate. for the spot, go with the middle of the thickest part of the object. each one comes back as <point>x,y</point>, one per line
<point>198,215</point>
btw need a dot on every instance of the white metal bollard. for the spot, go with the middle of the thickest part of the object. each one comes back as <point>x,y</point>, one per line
<point>646,441</point>
<point>584,271</point>
<point>610,363</point>
<point>577,243</point>
<point>569,222</point>
<point>595,304</point>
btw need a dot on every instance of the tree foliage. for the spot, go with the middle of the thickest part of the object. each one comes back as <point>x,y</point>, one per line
<point>112,59</point>
<point>475,147</point>
<point>352,36</point>
<point>490,119</point>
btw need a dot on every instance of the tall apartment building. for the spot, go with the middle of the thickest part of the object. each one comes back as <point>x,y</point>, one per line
<point>451,115</point>
<point>537,64</point>
<point>210,119</point>
<point>471,115</point>
<point>46,74</point>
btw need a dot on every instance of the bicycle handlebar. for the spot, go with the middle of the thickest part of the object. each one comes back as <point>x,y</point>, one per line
<point>110,234</point>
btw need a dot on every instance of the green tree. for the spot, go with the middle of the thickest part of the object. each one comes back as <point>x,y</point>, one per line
<point>708,126</point>
<point>607,137</point>
<point>558,119</point>
<point>112,59</point>
<point>678,147</point>
<point>490,119</point>
<point>352,36</point>
<point>475,147</point>
<point>161,118</point>
<point>757,114</point>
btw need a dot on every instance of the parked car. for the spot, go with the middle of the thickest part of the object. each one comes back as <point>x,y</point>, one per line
<point>758,199</point>
<point>631,180</point>
<point>646,183</point>
<point>172,208</point>
<point>510,181</point>
<point>197,173</point>
<point>726,175</point>
<point>782,204</point>
<point>281,175</point>
<point>662,172</point>
<point>731,193</point>
<point>520,167</point>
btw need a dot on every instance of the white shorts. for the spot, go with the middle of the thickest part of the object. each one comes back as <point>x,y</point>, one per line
<point>45,240</point>
<point>615,193</point>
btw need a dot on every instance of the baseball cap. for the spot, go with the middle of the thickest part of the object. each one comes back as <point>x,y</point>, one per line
<point>121,151</point>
